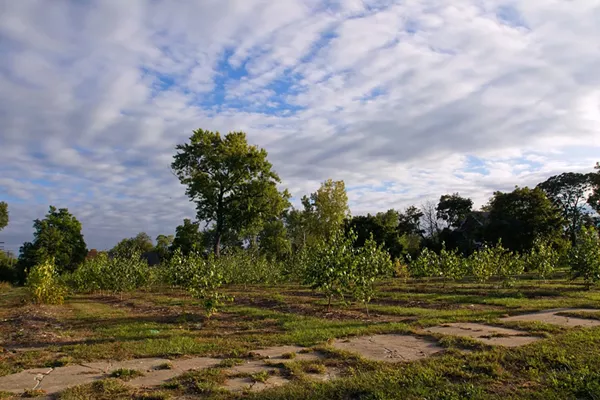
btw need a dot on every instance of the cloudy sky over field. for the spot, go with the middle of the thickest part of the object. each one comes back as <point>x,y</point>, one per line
<point>404,100</point>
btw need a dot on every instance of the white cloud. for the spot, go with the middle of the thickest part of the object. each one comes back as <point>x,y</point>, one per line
<point>386,94</point>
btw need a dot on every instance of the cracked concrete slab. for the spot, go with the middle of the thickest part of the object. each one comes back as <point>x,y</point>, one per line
<point>57,379</point>
<point>390,347</point>
<point>552,317</point>
<point>24,380</point>
<point>487,334</point>
<point>188,364</point>
<point>60,378</point>
<point>250,367</point>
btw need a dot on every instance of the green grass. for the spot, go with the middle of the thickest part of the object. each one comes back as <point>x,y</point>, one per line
<point>126,374</point>
<point>166,323</point>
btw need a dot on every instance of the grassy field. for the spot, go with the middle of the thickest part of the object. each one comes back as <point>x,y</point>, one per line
<point>167,323</point>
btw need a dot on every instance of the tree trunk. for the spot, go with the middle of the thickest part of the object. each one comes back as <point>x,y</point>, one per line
<point>329,304</point>
<point>218,244</point>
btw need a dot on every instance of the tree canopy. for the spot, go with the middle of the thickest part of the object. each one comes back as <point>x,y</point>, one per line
<point>570,193</point>
<point>140,243</point>
<point>453,209</point>
<point>3,215</point>
<point>520,217</point>
<point>231,182</point>
<point>188,237</point>
<point>57,236</point>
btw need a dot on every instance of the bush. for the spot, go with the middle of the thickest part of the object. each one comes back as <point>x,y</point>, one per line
<point>8,272</point>
<point>121,273</point>
<point>584,256</point>
<point>543,259</point>
<point>329,264</point>
<point>201,277</point>
<point>249,267</point>
<point>43,284</point>
<point>495,261</point>
<point>371,262</point>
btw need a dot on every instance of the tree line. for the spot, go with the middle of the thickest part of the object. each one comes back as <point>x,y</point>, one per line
<point>241,210</point>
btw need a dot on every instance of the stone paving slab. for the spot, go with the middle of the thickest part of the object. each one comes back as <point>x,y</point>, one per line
<point>492,335</point>
<point>389,347</point>
<point>552,317</point>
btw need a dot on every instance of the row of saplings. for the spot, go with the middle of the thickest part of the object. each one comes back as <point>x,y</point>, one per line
<point>334,267</point>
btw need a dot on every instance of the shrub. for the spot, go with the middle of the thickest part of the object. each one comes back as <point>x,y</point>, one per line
<point>584,256</point>
<point>543,259</point>
<point>489,261</point>
<point>43,284</point>
<point>426,265</point>
<point>249,267</point>
<point>329,264</point>
<point>201,277</point>
<point>121,273</point>
<point>372,261</point>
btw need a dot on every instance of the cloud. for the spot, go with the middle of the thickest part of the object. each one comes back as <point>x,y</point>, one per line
<point>404,100</point>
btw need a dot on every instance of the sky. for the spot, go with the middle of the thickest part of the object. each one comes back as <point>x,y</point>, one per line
<point>403,100</point>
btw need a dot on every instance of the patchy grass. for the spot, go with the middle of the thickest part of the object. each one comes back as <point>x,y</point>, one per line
<point>164,366</point>
<point>230,362</point>
<point>33,393</point>
<point>106,389</point>
<point>166,323</point>
<point>262,376</point>
<point>126,374</point>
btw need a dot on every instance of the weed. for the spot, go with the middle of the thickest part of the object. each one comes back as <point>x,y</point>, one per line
<point>262,376</point>
<point>166,365</point>
<point>126,374</point>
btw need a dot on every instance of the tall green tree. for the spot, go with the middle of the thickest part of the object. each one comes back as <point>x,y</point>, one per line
<point>326,209</point>
<point>594,199</point>
<point>163,245</point>
<point>570,192</point>
<point>188,237</point>
<point>57,236</point>
<point>140,243</point>
<point>231,182</point>
<point>409,222</point>
<point>3,215</point>
<point>453,208</point>
<point>520,217</point>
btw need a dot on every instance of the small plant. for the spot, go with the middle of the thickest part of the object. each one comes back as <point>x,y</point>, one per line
<point>33,393</point>
<point>164,366</point>
<point>261,377</point>
<point>125,374</point>
<point>584,257</point>
<point>288,356</point>
<point>230,362</point>
<point>314,368</point>
<point>43,284</point>
<point>153,396</point>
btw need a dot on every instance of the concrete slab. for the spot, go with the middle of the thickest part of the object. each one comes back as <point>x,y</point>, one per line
<point>19,382</point>
<point>61,378</point>
<point>488,334</point>
<point>552,317</point>
<point>392,348</point>
<point>250,367</point>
